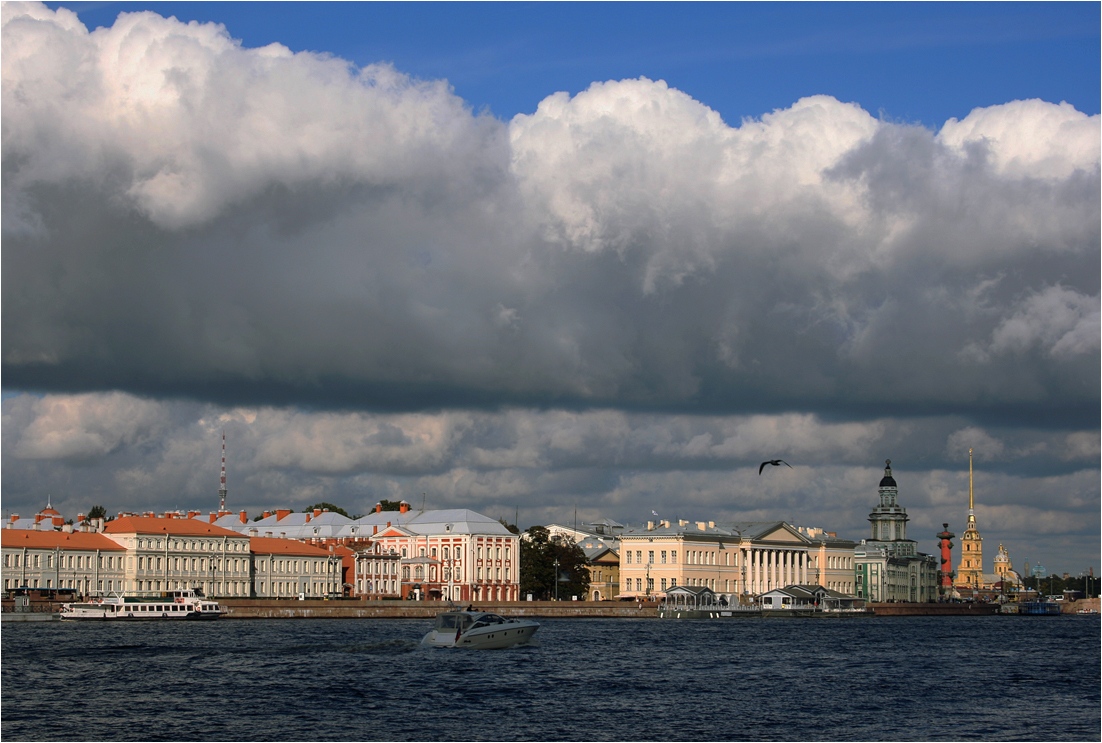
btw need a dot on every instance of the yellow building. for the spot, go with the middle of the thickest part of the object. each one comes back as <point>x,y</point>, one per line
<point>736,559</point>
<point>970,569</point>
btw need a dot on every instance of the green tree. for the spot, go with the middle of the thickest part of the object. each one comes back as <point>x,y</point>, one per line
<point>511,527</point>
<point>391,505</point>
<point>323,506</point>
<point>539,552</point>
<point>97,512</point>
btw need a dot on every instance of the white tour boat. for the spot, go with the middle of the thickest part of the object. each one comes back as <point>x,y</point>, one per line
<point>478,629</point>
<point>182,604</point>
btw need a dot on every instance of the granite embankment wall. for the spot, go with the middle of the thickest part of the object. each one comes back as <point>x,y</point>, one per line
<point>348,609</point>
<point>351,609</point>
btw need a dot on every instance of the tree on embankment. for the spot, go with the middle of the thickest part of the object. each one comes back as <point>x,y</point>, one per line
<point>539,552</point>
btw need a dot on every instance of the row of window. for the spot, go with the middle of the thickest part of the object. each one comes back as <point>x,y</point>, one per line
<point>236,545</point>
<point>493,553</point>
<point>75,562</point>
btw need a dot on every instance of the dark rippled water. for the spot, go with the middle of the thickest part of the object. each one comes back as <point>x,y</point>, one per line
<point>908,678</point>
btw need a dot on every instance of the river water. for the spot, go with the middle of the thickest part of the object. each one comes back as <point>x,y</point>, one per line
<point>868,679</point>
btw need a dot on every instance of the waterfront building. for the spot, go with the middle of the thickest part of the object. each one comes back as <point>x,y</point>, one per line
<point>736,559</point>
<point>165,554</point>
<point>970,569</point>
<point>831,559</point>
<point>603,560</point>
<point>452,554</point>
<point>288,568</point>
<point>378,572</point>
<point>888,566</point>
<point>82,561</point>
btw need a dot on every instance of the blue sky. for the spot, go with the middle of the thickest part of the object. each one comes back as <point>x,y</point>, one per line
<point>912,62</point>
<point>689,238</point>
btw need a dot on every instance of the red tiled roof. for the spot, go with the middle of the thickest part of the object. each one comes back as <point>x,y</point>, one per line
<point>77,540</point>
<point>156,525</point>
<point>274,546</point>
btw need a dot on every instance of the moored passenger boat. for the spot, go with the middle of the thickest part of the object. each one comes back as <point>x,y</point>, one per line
<point>1039,608</point>
<point>182,604</point>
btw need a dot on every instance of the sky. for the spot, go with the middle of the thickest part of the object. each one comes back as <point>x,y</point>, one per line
<point>558,261</point>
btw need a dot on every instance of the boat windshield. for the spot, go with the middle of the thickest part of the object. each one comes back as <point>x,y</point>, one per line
<point>448,621</point>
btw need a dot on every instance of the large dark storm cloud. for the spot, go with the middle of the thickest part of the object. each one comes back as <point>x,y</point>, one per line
<point>254,229</point>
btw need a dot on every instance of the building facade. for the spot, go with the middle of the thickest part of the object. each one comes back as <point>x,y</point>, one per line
<point>287,568</point>
<point>888,566</point>
<point>85,562</point>
<point>450,555</point>
<point>736,560</point>
<point>165,554</point>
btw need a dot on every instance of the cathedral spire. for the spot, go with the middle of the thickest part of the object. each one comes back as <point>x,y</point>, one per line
<point>971,498</point>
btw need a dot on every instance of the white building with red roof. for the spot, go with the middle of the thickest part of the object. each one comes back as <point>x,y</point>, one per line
<point>287,568</point>
<point>166,554</point>
<point>82,561</point>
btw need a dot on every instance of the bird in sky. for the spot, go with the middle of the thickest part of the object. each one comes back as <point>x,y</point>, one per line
<point>775,463</point>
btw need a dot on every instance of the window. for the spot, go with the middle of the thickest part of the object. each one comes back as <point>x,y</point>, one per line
<point>650,557</point>
<point>663,560</point>
<point>639,556</point>
<point>673,557</point>
<point>628,553</point>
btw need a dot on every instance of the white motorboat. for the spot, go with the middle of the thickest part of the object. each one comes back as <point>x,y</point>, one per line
<point>183,604</point>
<point>480,630</point>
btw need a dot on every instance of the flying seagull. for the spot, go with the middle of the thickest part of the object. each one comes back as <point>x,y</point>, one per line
<point>775,463</point>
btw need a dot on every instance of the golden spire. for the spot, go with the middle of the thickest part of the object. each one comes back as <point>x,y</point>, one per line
<point>971,502</point>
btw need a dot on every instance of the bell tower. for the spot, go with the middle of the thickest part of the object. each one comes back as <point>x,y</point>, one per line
<point>970,570</point>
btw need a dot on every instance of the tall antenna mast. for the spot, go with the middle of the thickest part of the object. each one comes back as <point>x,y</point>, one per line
<point>222,482</point>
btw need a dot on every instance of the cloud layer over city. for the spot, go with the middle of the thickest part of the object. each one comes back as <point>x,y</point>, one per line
<point>619,302</point>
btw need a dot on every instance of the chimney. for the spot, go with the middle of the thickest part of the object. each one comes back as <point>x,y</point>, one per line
<point>317,512</point>
<point>244,518</point>
<point>252,532</point>
<point>80,518</point>
<point>169,515</point>
<point>307,518</point>
<point>213,516</point>
<point>403,507</point>
<point>282,513</point>
<point>267,514</point>
<point>650,526</point>
<point>192,514</point>
<point>378,508</point>
<point>67,528</point>
<point>14,517</point>
<point>38,517</point>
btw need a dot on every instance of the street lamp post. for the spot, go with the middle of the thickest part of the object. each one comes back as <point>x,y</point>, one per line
<point>556,579</point>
